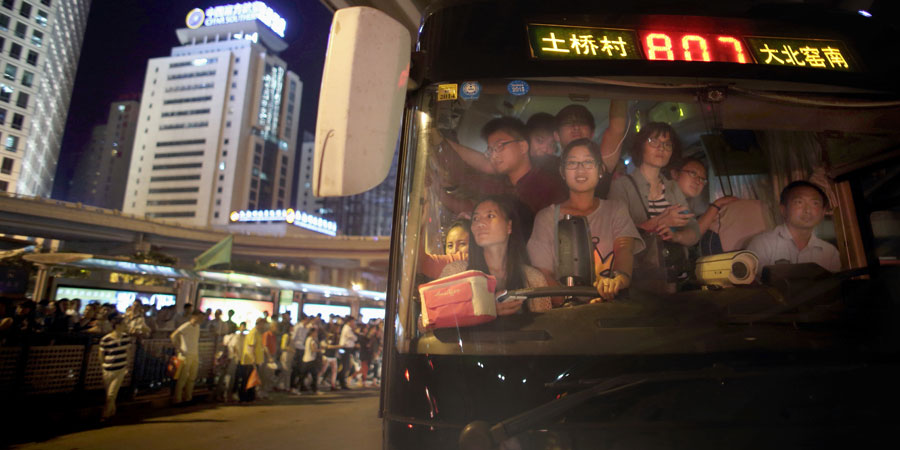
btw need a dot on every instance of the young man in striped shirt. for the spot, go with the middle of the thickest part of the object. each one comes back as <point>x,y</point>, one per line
<point>114,357</point>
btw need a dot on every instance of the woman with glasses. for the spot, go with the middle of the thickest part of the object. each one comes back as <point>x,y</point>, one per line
<point>496,247</point>
<point>614,236</point>
<point>658,207</point>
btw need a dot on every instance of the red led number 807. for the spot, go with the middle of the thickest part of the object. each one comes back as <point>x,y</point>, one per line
<point>693,47</point>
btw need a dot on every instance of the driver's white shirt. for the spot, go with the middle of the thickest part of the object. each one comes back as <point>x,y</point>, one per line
<point>777,246</point>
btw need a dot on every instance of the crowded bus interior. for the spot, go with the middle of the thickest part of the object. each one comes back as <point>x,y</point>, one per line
<point>506,183</point>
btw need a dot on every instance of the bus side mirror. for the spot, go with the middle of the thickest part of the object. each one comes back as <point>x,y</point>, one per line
<point>361,101</point>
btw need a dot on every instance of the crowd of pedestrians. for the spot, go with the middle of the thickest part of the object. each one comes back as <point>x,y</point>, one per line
<point>282,356</point>
<point>274,354</point>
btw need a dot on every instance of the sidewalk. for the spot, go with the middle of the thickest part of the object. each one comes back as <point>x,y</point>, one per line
<point>44,417</point>
<point>341,419</point>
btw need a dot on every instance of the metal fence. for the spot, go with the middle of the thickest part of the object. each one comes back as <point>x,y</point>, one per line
<point>39,365</point>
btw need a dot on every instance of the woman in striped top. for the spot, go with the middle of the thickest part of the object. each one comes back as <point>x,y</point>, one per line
<point>114,357</point>
<point>656,204</point>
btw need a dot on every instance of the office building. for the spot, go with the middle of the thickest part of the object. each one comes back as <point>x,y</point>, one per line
<point>368,214</point>
<point>40,42</point>
<point>102,171</point>
<point>218,121</point>
<point>306,201</point>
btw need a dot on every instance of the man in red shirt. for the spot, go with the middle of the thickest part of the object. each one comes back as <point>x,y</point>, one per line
<point>267,370</point>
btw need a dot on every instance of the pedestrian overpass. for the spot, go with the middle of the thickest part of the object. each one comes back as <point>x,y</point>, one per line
<point>87,229</point>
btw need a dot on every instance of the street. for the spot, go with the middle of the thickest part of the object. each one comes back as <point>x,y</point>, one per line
<point>335,420</point>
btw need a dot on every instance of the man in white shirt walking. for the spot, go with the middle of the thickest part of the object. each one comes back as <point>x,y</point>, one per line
<point>298,340</point>
<point>186,339</point>
<point>347,343</point>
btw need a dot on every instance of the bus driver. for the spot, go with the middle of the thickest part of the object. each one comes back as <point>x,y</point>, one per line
<point>803,208</point>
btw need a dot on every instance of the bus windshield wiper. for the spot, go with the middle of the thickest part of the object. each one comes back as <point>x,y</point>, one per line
<point>480,435</point>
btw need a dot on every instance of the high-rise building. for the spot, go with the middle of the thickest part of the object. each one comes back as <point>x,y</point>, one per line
<point>40,42</point>
<point>86,177</point>
<point>306,201</point>
<point>102,171</point>
<point>218,121</point>
<point>368,214</point>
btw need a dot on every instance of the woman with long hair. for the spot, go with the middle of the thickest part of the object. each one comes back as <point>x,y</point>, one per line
<point>496,247</point>
<point>615,239</point>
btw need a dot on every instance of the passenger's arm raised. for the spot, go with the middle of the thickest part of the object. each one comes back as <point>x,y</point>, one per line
<point>473,158</point>
<point>610,148</point>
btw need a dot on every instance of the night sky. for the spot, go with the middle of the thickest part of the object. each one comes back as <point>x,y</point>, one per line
<point>123,34</point>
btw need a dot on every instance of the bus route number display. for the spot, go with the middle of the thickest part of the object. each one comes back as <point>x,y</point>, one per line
<point>590,43</point>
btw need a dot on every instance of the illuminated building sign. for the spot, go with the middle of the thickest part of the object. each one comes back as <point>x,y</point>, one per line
<point>590,43</point>
<point>299,219</point>
<point>238,12</point>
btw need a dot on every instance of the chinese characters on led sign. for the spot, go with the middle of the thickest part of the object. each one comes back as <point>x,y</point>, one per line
<point>299,219</point>
<point>801,53</point>
<point>238,12</point>
<point>588,43</point>
<point>582,43</point>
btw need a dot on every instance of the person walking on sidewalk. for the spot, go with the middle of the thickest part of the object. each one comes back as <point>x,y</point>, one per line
<point>234,346</point>
<point>311,360</point>
<point>114,356</point>
<point>186,339</point>
<point>270,366</point>
<point>298,340</point>
<point>347,343</point>
<point>286,361</point>
<point>252,356</point>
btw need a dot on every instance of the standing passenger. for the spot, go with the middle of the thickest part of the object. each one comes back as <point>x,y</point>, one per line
<point>614,237</point>
<point>542,143</point>
<point>658,208</point>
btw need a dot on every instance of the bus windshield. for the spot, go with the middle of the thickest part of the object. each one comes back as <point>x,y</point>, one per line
<point>660,205</point>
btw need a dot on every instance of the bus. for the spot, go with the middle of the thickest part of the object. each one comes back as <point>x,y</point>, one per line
<point>743,352</point>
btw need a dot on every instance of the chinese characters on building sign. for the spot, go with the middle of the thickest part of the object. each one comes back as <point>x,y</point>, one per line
<point>296,218</point>
<point>582,43</point>
<point>239,12</point>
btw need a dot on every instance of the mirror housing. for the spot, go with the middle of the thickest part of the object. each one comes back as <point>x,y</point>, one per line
<point>360,102</point>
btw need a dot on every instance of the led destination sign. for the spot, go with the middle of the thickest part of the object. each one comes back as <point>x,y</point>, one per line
<point>592,43</point>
